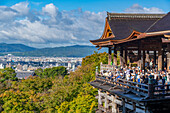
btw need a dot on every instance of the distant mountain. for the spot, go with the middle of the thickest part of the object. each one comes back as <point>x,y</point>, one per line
<point>15,48</point>
<point>68,51</point>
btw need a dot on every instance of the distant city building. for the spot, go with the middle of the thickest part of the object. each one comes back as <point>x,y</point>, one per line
<point>33,63</point>
<point>19,67</point>
<point>24,74</point>
<point>1,66</point>
<point>8,65</point>
<point>25,67</point>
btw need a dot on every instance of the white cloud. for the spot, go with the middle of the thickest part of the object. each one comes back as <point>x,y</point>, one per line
<point>50,9</point>
<point>136,8</point>
<point>21,7</point>
<point>49,27</point>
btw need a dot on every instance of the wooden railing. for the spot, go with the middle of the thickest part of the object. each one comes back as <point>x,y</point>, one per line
<point>107,67</point>
<point>145,90</point>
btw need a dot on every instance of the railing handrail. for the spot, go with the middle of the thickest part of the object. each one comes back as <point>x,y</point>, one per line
<point>141,84</point>
<point>150,88</point>
<point>133,88</point>
<point>161,85</point>
<point>144,91</point>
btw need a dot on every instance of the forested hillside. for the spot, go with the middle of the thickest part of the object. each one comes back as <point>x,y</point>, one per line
<point>53,90</point>
<point>15,48</point>
<point>68,51</point>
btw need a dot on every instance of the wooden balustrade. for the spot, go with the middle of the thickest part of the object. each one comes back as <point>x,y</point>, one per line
<point>144,90</point>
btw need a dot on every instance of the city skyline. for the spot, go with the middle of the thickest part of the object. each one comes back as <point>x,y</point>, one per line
<point>62,23</point>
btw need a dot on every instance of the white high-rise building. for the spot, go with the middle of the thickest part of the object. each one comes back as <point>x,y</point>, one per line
<point>1,66</point>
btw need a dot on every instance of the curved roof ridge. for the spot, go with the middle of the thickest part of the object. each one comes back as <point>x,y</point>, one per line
<point>134,15</point>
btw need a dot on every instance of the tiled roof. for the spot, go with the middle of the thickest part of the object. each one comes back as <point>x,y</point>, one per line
<point>161,25</point>
<point>24,74</point>
<point>123,24</point>
<point>123,28</point>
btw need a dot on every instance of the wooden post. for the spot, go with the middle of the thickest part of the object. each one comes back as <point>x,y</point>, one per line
<point>114,105</point>
<point>121,57</point>
<point>150,87</point>
<point>106,103</point>
<point>134,107</point>
<point>115,56</point>
<point>123,104</point>
<point>139,58</point>
<point>109,56</point>
<point>99,101</point>
<point>163,61</point>
<point>143,59</point>
<point>125,56</point>
<point>168,57</point>
<point>168,61</point>
<point>160,59</point>
<point>154,58</point>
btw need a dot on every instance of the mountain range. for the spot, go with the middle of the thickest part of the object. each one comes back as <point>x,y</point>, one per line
<point>15,48</point>
<point>68,51</point>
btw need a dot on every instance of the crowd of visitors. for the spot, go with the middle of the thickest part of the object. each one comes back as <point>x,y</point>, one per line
<point>135,74</point>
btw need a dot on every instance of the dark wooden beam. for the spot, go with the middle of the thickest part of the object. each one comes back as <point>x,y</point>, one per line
<point>154,58</point>
<point>109,55</point>
<point>144,59</point>
<point>115,56</point>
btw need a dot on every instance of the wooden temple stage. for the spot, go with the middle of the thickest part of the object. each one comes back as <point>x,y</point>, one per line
<point>139,38</point>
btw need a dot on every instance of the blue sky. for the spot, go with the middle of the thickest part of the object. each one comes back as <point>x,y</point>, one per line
<point>93,5</point>
<point>50,23</point>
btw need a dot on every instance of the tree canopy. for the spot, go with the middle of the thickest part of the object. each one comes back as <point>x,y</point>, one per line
<point>52,90</point>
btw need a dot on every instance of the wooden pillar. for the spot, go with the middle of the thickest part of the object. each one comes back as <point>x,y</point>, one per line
<point>115,56</point>
<point>123,104</point>
<point>168,61</point>
<point>154,58</point>
<point>121,56</point>
<point>163,61</point>
<point>109,56</point>
<point>128,59</point>
<point>168,57</point>
<point>114,105</point>
<point>147,59</point>
<point>106,103</point>
<point>160,59</point>
<point>139,58</point>
<point>99,101</point>
<point>125,56</point>
<point>134,107</point>
<point>144,59</point>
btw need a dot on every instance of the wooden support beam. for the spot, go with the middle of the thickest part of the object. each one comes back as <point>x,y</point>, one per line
<point>115,56</point>
<point>168,57</point>
<point>144,59</point>
<point>134,107</point>
<point>114,105</point>
<point>109,56</point>
<point>163,56</point>
<point>106,103</point>
<point>121,57</point>
<point>160,59</point>
<point>154,58</point>
<point>125,56</point>
<point>123,104</point>
<point>168,61</point>
<point>99,101</point>
<point>139,58</point>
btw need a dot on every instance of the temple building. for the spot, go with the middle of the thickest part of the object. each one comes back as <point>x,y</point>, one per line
<point>139,38</point>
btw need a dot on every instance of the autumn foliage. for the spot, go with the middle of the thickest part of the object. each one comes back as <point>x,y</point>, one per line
<point>53,90</point>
